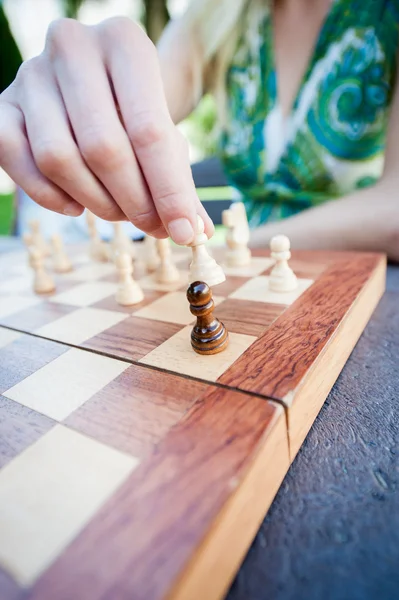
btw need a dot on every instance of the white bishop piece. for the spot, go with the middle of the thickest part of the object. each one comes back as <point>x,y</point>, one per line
<point>282,278</point>
<point>203,267</point>
<point>235,219</point>
<point>129,292</point>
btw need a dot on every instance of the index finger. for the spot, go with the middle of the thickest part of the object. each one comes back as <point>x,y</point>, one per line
<point>158,145</point>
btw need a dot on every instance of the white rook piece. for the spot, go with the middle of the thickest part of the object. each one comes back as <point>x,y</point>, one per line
<point>42,282</point>
<point>282,278</point>
<point>203,267</point>
<point>235,219</point>
<point>167,271</point>
<point>129,291</point>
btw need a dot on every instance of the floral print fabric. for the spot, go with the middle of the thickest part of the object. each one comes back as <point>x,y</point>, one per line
<point>333,140</point>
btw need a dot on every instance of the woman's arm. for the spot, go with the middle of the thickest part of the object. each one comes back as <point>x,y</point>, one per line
<point>368,219</point>
<point>365,220</point>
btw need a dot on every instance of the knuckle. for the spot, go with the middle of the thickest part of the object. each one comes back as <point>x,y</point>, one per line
<point>52,158</point>
<point>100,150</point>
<point>60,34</point>
<point>109,212</point>
<point>125,30</point>
<point>119,25</point>
<point>29,68</point>
<point>147,221</point>
<point>42,195</point>
<point>148,129</point>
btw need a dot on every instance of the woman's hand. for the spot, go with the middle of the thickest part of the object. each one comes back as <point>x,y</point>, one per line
<point>86,124</point>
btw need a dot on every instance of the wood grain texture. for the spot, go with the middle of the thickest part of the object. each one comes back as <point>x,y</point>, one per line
<point>37,316</point>
<point>276,363</point>
<point>304,269</point>
<point>137,409</point>
<point>111,304</point>
<point>19,428</point>
<point>229,286</point>
<point>25,356</point>
<point>333,529</point>
<point>315,386</point>
<point>139,543</point>
<point>132,338</point>
<point>250,318</point>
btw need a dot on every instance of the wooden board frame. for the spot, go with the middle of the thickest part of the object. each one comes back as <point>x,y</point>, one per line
<point>207,484</point>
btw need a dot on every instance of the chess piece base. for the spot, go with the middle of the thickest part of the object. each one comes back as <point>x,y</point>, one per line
<point>213,341</point>
<point>168,274</point>
<point>129,297</point>
<point>43,285</point>
<point>284,282</point>
<point>238,257</point>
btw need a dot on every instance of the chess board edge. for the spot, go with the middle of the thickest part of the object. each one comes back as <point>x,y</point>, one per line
<point>309,397</point>
<point>289,362</point>
<point>189,495</point>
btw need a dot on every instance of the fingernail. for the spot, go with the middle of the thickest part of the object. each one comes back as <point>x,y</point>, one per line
<point>72,210</point>
<point>181,231</point>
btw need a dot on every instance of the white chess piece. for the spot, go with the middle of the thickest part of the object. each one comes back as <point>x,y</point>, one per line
<point>121,243</point>
<point>282,278</point>
<point>203,267</point>
<point>42,282</point>
<point>37,238</point>
<point>151,257</point>
<point>98,249</point>
<point>166,272</point>
<point>129,292</point>
<point>61,262</point>
<point>235,219</point>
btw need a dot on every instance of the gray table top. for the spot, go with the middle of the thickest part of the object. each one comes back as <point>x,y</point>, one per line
<point>332,532</point>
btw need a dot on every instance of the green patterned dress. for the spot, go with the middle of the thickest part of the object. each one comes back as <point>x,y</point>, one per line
<point>333,140</point>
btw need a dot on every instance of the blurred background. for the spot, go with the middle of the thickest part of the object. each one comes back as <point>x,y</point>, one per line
<point>23,26</point>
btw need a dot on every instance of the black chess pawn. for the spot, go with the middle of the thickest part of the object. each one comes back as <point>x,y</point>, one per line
<point>209,336</point>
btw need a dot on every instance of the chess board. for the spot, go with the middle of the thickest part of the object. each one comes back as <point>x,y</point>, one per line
<point>131,467</point>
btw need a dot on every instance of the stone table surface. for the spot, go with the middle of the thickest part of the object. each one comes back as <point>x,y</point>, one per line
<point>332,532</point>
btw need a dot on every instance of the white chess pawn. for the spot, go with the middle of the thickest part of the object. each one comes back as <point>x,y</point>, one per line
<point>235,219</point>
<point>129,291</point>
<point>166,272</point>
<point>282,278</point>
<point>203,267</point>
<point>98,249</point>
<point>61,263</point>
<point>151,257</point>
<point>37,238</point>
<point>121,243</point>
<point>42,282</point>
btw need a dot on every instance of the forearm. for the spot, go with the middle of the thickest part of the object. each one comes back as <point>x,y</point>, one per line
<point>365,220</point>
